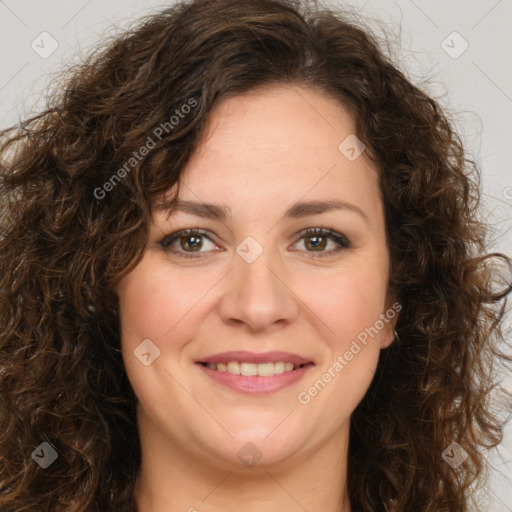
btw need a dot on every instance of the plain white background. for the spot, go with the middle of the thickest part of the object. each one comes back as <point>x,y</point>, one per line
<point>458,51</point>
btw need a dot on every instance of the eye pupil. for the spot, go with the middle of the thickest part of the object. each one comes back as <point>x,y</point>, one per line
<point>194,246</point>
<point>317,245</point>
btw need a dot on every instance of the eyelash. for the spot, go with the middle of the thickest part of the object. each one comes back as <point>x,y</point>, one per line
<point>340,239</point>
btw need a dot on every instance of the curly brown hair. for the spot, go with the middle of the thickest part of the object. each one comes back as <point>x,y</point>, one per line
<point>65,243</point>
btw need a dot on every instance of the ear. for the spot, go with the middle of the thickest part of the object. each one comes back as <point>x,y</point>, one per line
<point>390,318</point>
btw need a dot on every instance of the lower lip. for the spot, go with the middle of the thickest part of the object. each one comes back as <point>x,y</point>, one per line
<point>256,385</point>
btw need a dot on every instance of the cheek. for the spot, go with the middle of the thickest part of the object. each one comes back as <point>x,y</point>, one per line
<point>348,301</point>
<point>350,304</point>
<point>154,302</point>
<point>157,304</point>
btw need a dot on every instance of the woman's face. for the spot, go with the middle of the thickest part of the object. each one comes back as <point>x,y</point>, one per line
<point>251,281</point>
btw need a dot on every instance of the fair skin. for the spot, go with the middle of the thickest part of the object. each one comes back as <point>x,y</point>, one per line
<point>264,151</point>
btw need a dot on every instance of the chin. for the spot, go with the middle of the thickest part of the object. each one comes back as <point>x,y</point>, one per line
<point>257,451</point>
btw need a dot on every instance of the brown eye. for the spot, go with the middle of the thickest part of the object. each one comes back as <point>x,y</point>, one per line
<point>317,239</point>
<point>317,243</point>
<point>191,241</point>
<point>186,241</point>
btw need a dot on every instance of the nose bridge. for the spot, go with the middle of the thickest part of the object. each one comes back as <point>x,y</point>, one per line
<point>257,294</point>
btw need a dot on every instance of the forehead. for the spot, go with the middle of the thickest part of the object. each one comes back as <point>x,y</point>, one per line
<point>277,119</point>
<point>271,147</point>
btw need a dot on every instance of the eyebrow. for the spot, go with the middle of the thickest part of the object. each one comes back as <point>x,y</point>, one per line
<point>296,211</point>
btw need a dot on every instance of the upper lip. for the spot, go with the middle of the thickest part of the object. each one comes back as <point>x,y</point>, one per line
<point>255,357</point>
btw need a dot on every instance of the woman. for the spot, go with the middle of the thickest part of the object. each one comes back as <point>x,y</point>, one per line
<point>242,266</point>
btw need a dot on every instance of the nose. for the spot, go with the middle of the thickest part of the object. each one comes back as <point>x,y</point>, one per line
<point>258,296</point>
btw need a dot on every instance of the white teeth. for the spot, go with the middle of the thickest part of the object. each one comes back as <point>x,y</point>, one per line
<point>234,367</point>
<point>266,369</point>
<point>279,367</point>
<point>248,369</point>
<point>252,369</point>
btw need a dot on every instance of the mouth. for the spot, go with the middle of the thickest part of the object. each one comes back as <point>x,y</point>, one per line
<point>253,373</point>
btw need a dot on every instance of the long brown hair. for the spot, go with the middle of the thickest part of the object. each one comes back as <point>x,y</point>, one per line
<point>73,223</point>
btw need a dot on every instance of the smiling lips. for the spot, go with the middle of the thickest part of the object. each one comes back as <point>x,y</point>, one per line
<point>255,373</point>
